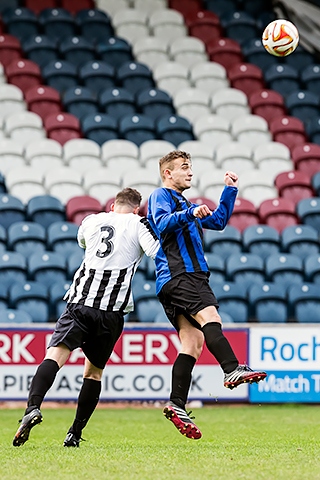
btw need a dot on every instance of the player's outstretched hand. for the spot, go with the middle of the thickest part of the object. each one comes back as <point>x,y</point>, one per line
<point>231,179</point>
<point>202,211</point>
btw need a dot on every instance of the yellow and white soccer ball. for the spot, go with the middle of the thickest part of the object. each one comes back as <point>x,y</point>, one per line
<point>280,38</point>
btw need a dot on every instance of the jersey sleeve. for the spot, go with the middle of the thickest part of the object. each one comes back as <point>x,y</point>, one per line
<point>220,217</point>
<point>147,238</point>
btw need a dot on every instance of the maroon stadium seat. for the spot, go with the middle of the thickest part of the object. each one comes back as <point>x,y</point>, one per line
<point>288,130</point>
<point>25,74</point>
<point>62,127</point>
<point>204,25</point>
<point>225,51</point>
<point>294,185</point>
<point>268,104</point>
<point>306,158</point>
<point>246,77</point>
<point>79,207</point>
<point>10,49</point>
<point>278,213</point>
<point>43,100</point>
<point>244,214</point>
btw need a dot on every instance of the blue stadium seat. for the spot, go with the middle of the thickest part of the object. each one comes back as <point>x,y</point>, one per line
<point>27,238</point>
<point>11,210</point>
<point>117,102</point>
<point>11,315</point>
<point>77,50</point>
<point>316,183</point>
<point>40,49</point>
<point>310,78</point>
<point>284,268</point>
<point>73,262</point>
<point>137,128</point>
<point>312,268</point>
<point>57,23</point>
<point>155,103</point>
<point>261,240</point>
<point>147,304</point>
<point>304,301</point>
<point>115,51</point>
<point>239,26</point>
<point>308,211</point>
<point>174,129</point>
<point>232,299</point>
<point>135,77</point>
<point>216,267</point>
<point>20,22</point>
<point>56,293</point>
<point>301,240</point>
<point>3,238</point>
<point>147,267</point>
<point>13,268</point>
<point>80,101</point>
<point>31,297</point>
<point>94,24</point>
<point>282,78</point>
<point>224,243</point>
<point>303,104</point>
<point>99,127</point>
<point>60,75</point>
<point>268,303</point>
<point>47,267</point>
<point>221,7</point>
<point>4,298</point>
<point>62,238</point>
<point>254,52</point>
<point>301,60</point>
<point>97,75</point>
<point>45,209</point>
<point>245,268</point>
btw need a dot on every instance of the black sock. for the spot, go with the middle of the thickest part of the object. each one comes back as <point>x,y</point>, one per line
<point>41,382</point>
<point>181,379</point>
<point>219,346</point>
<point>87,402</point>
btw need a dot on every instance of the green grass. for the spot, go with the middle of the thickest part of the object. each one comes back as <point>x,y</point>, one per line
<point>239,442</point>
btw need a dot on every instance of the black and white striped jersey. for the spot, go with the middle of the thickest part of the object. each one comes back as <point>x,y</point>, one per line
<point>114,245</point>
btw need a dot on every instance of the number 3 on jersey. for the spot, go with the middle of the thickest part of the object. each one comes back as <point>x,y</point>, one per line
<point>107,246</point>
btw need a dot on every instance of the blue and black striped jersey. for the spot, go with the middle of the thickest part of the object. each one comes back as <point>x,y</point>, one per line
<point>181,233</point>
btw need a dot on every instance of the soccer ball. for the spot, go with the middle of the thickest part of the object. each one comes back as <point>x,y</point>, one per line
<point>280,38</point>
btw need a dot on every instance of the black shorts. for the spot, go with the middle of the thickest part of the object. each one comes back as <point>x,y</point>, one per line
<point>187,293</point>
<point>95,331</point>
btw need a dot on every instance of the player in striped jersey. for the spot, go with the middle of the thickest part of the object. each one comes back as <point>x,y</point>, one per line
<point>182,281</point>
<point>98,299</point>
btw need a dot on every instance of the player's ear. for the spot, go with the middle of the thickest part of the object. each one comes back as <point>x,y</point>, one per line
<point>136,210</point>
<point>112,207</point>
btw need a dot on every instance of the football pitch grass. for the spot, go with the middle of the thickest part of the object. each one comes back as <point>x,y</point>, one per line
<point>239,442</point>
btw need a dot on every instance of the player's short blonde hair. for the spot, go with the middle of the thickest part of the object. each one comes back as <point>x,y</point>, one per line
<point>167,160</point>
<point>128,196</point>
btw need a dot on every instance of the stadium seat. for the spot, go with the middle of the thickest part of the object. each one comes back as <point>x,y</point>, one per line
<point>44,155</point>
<point>209,77</point>
<point>45,209</point>
<point>74,262</point>
<point>62,238</point>
<point>167,25</point>
<point>11,100</point>
<point>301,240</point>
<point>315,180</point>
<point>246,77</point>
<point>232,298</point>
<point>31,297</point>
<point>64,183</point>
<point>155,103</point>
<point>94,24</point>
<point>254,52</point>
<point>261,240</point>
<point>24,127</point>
<point>150,51</point>
<point>20,22</point>
<point>269,303</point>
<point>82,154</point>
<point>62,127</point>
<point>120,154</point>
<point>43,100</point>
<point>130,24</point>
<point>25,182</point>
<point>36,7</point>
<point>187,8</point>
<point>135,77</point>
<point>77,208</point>
<point>11,153</point>
<point>115,51</point>
<point>23,73</point>
<point>221,7</point>
<point>147,305</point>
<point>40,49</point>
<point>150,5</point>
<point>3,238</point>
<point>137,128</point>
<point>188,51</point>
<point>117,102</point>
<point>74,6</point>
<point>97,75</point>
<point>47,268</point>
<point>272,156</point>
<point>102,184</point>
<point>251,130</point>
<point>288,130</point>
<point>278,213</point>
<point>225,51</point>
<point>235,156</point>
<point>171,76</point>
<point>26,238</point>
<point>13,268</point>
<point>77,50</point>
<point>3,188</point>
<point>302,59</point>
<point>4,300</point>
<point>245,269</point>
<point>144,180</point>
<point>152,150</point>
<point>216,267</point>
<point>284,268</point>
<point>211,186</point>
<point>313,130</point>
<point>267,104</point>
<point>308,211</point>
<point>294,185</point>
<point>284,79</point>
<point>11,210</point>
<point>312,268</point>
<point>10,49</point>
<point>204,25</point>
<point>174,129</point>
<point>310,78</point>
<point>303,104</point>
<point>239,26</point>
<point>230,103</point>
<point>56,293</point>
<point>304,301</point>
<point>80,101</point>
<point>57,23</point>
<point>244,214</point>
<point>60,75</point>
<point>224,243</point>
<point>306,158</point>
<point>12,316</point>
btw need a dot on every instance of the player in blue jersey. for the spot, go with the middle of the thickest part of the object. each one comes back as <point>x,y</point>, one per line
<point>182,281</point>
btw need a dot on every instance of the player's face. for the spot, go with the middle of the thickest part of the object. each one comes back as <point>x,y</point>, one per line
<point>180,176</point>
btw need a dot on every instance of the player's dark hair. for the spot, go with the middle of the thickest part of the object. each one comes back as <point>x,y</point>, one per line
<point>167,160</point>
<point>128,196</point>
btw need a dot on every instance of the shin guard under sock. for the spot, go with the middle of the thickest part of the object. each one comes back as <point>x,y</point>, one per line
<point>219,346</point>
